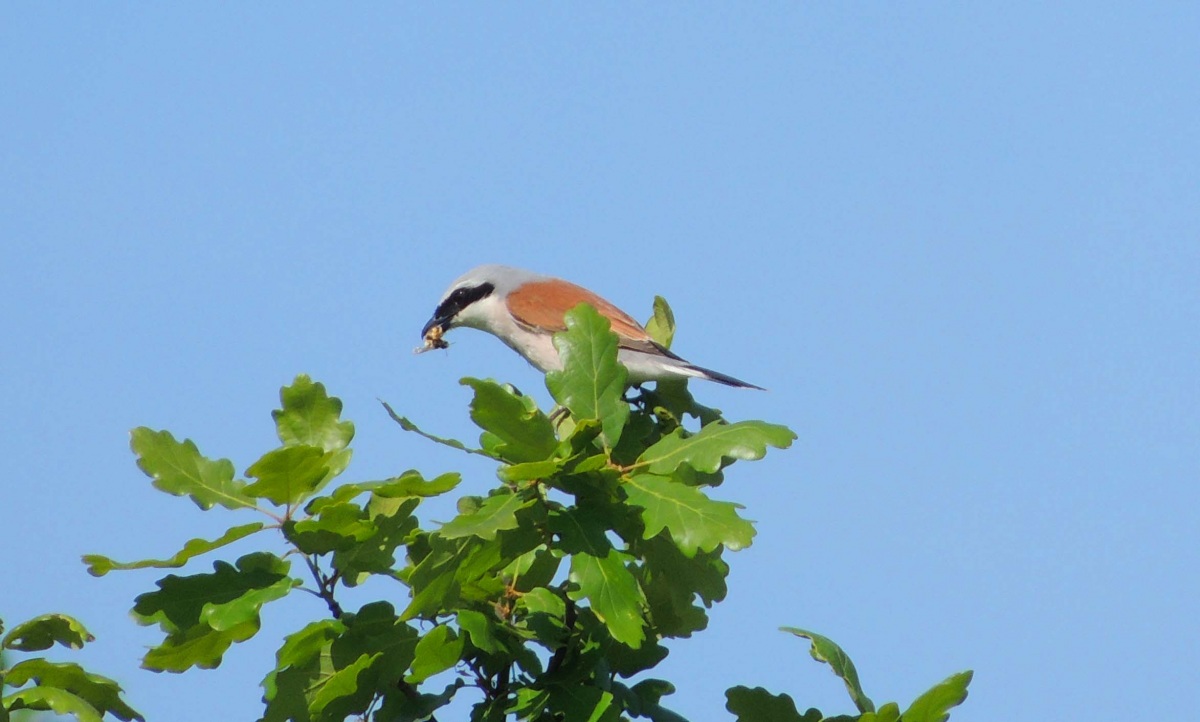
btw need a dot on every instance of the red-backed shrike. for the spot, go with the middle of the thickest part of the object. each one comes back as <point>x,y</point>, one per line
<point>525,310</point>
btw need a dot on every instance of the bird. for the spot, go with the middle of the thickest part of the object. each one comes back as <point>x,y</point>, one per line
<point>525,309</point>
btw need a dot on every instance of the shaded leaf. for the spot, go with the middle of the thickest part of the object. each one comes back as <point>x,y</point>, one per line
<point>204,613</point>
<point>530,471</point>
<point>415,708</point>
<point>100,693</point>
<point>437,651</point>
<point>99,565</point>
<point>759,705</point>
<point>591,383</point>
<point>43,631</point>
<point>612,592</point>
<point>340,694</point>
<point>522,431</point>
<point>480,628</point>
<point>661,325</point>
<point>289,474</point>
<point>497,513</point>
<point>693,520</point>
<point>392,520</point>
<point>584,703</point>
<point>825,650</point>
<point>311,417</point>
<point>301,663</point>
<point>178,469</point>
<point>935,705</point>
<point>338,526</point>
<point>705,450</point>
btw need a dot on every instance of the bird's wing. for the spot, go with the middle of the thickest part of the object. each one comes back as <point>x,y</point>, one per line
<point>541,305</point>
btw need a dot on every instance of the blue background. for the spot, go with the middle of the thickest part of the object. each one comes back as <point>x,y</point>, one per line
<point>959,243</point>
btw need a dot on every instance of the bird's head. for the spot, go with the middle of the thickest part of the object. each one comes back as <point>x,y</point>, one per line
<point>475,299</point>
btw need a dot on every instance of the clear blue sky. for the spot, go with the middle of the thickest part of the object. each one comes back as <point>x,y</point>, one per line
<point>960,245</point>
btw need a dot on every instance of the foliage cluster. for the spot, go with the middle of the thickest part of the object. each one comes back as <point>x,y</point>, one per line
<point>548,598</point>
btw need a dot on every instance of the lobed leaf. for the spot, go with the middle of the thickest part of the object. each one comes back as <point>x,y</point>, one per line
<point>661,325</point>
<point>289,474</point>
<point>43,631</point>
<point>452,443</point>
<point>339,526</point>
<point>204,614</point>
<point>497,513</point>
<point>613,593</point>
<point>705,450</point>
<point>759,705</point>
<point>825,650</point>
<point>101,694</point>
<point>437,651</point>
<point>178,469</point>
<point>935,705</point>
<point>523,433</point>
<point>411,483</point>
<point>591,383</point>
<point>49,699</point>
<point>99,565</point>
<point>392,521</point>
<point>693,520</point>
<point>311,417</point>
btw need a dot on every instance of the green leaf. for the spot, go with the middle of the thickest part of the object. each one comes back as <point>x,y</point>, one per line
<point>178,469</point>
<point>935,705</point>
<point>99,565</point>
<point>661,325</point>
<point>705,450</point>
<point>49,699</point>
<point>584,703</point>
<point>42,632</point>
<point>889,712</point>
<point>481,630</point>
<point>343,688</point>
<point>672,582</point>
<point>498,512</point>
<point>311,417</point>
<point>203,614</point>
<point>591,383</point>
<point>100,693</point>
<point>825,650</point>
<point>523,432</point>
<point>338,527</point>
<point>613,593</point>
<point>437,651</point>
<point>289,474</point>
<point>759,705</point>
<point>515,473</point>
<point>693,520</point>
<point>392,520</point>
<point>302,663</point>
<point>411,483</point>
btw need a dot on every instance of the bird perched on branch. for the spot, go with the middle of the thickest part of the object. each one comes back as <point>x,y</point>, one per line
<point>524,310</point>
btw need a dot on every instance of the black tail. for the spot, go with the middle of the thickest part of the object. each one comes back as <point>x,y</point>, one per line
<point>721,378</point>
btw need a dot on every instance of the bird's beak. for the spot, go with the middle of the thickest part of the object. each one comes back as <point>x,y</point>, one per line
<point>437,321</point>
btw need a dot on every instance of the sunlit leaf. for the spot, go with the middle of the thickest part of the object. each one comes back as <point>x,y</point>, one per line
<point>497,513</point>
<point>44,631</point>
<point>100,693</point>
<point>99,565</point>
<point>705,450</point>
<point>49,699</point>
<point>302,663</point>
<point>437,651</point>
<point>177,468</point>
<point>338,527</point>
<point>411,483</point>
<point>825,650</point>
<point>613,593</point>
<point>392,521</point>
<point>935,705</point>
<point>591,383</point>
<point>524,433</point>
<point>311,417</point>
<point>693,520</point>
<point>289,474</point>
<point>661,325</point>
